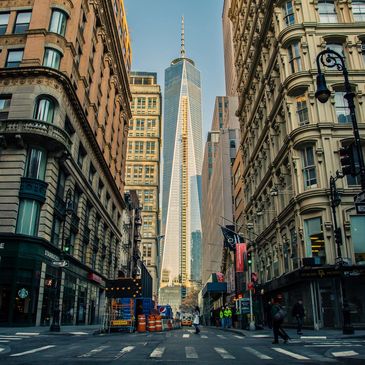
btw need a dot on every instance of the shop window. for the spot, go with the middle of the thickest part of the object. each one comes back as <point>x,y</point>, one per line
<point>28,217</point>
<point>22,22</point>
<point>52,58</point>
<point>358,10</point>
<point>327,11</point>
<point>4,20</point>
<point>58,22</point>
<point>295,61</point>
<point>35,167</point>
<point>309,168</point>
<point>342,108</point>
<point>314,239</point>
<point>357,237</point>
<point>14,58</point>
<point>5,101</point>
<point>302,110</point>
<point>44,109</point>
<point>288,11</point>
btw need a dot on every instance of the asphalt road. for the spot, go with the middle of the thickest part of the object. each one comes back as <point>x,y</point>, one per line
<point>212,346</point>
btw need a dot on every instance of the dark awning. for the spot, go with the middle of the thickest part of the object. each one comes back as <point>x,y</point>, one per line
<point>214,288</point>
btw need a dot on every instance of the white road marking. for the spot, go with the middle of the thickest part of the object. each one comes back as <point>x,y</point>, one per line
<point>257,353</point>
<point>261,336</point>
<point>124,351</point>
<point>78,333</point>
<point>221,336</point>
<point>94,351</point>
<point>240,337</point>
<point>186,335</point>
<point>332,345</point>
<point>313,337</point>
<point>157,352</point>
<point>344,353</point>
<point>224,354</point>
<point>2,349</point>
<point>291,354</point>
<point>4,341</point>
<point>11,338</point>
<point>203,336</point>
<point>27,333</point>
<point>34,350</point>
<point>190,353</point>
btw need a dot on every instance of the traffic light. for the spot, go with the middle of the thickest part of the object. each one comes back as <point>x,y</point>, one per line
<point>249,258</point>
<point>338,236</point>
<point>347,160</point>
<point>67,246</point>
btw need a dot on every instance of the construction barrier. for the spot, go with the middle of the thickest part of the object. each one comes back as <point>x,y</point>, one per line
<point>158,323</point>
<point>141,327</point>
<point>151,323</point>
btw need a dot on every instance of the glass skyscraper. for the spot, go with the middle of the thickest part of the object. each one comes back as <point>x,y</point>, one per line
<point>182,163</point>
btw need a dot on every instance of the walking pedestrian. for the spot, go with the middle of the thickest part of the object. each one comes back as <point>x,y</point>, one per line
<point>278,314</point>
<point>221,316</point>
<point>196,320</point>
<point>226,313</point>
<point>298,313</point>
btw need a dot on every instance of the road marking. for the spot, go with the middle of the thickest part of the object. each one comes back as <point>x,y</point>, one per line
<point>291,354</point>
<point>313,337</point>
<point>261,336</point>
<point>94,351</point>
<point>124,351</point>
<point>78,333</point>
<point>257,353</point>
<point>13,337</point>
<point>157,352</point>
<point>27,333</point>
<point>332,345</point>
<point>344,353</point>
<point>240,337</point>
<point>224,354</point>
<point>203,336</point>
<point>34,350</point>
<point>221,336</point>
<point>4,341</point>
<point>186,335</point>
<point>190,353</point>
<point>2,349</point>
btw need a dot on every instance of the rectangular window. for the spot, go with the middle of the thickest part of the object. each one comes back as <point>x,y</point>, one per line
<point>138,147</point>
<point>314,239</point>
<point>357,237</point>
<point>141,103</point>
<point>294,57</point>
<point>150,148</point>
<point>288,11</point>
<point>52,58</point>
<point>342,108</point>
<point>81,156</point>
<point>56,232</point>
<point>152,103</point>
<point>22,22</point>
<point>35,167</point>
<point>68,127</point>
<point>58,22</point>
<point>14,58</point>
<point>358,10</point>
<point>354,180</point>
<point>28,217</point>
<point>92,173</point>
<point>309,168</point>
<point>139,125</point>
<point>100,188</point>
<point>4,20</point>
<point>302,110</point>
<point>61,184</point>
<point>327,11</point>
<point>4,106</point>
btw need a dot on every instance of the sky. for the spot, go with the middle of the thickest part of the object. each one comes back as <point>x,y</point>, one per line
<point>155,27</point>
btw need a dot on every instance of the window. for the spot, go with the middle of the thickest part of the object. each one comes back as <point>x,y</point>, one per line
<point>150,148</point>
<point>56,232</point>
<point>294,57</point>
<point>309,168</point>
<point>44,109</point>
<point>58,22</point>
<point>131,125</point>
<point>147,250</point>
<point>52,58</point>
<point>314,239</point>
<point>337,47</point>
<point>4,20</point>
<point>81,155</point>
<point>148,196</point>
<point>139,125</point>
<point>15,57</point>
<point>354,180</point>
<point>152,103</point>
<point>92,173</point>
<point>100,188</point>
<point>358,10</point>
<point>141,103</point>
<point>357,237</point>
<point>302,110</point>
<point>327,11</point>
<point>342,108</point>
<point>138,147</point>
<point>28,217</point>
<point>76,200</point>
<point>61,182</point>
<point>35,167</point>
<point>4,106</point>
<point>22,22</point>
<point>68,127</point>
<point>288,13</point>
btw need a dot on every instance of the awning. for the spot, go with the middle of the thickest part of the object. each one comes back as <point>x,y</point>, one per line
<point>214,288</point>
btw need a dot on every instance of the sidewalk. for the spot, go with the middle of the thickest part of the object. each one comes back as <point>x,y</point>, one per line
<point>307,334</point>
<point>41,330</point>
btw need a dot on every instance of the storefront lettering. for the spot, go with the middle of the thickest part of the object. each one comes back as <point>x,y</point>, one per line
<point>2,245</point>
<point>93,277</point>
<point>51,255</point>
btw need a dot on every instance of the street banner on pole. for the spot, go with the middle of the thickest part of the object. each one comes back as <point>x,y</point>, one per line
<point>241,249</point>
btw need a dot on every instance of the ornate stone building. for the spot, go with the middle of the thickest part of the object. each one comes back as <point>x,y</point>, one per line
<point>64,111</point>
<point>143,163</point>
<point>290,147</point>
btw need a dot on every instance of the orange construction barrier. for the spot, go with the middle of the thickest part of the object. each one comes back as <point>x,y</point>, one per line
<point>141,323</point>
<point>151,323</point>
<point>158,323</point>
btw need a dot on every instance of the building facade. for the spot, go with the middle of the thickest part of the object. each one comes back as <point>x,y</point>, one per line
<point>182,159</point>
<point>143,163</point>
<point>62,67</point>
<point>290,149</point>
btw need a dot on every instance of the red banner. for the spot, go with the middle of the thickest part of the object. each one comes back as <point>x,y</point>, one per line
<point>241,249</point>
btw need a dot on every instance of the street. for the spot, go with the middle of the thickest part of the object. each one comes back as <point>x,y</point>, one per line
<point>211,346</point>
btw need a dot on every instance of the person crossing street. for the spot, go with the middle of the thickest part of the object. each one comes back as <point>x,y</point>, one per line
<point>298,314</point>
<point>221,316</point>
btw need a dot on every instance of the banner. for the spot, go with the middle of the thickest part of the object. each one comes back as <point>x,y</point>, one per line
<point>231,238</point>
<point>241,249</point>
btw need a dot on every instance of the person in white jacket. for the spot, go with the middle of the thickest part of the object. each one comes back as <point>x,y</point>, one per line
<point>196,320</point>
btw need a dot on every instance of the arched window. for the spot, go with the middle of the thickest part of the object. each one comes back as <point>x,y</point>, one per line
<point>44,109</point>
<point>58,22</point>
<point>52,58</point>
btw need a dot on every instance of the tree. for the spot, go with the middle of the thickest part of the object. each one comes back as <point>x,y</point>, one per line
<point>190,301</point>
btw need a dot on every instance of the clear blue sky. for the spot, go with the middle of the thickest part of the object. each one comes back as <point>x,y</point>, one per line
<point>155,26</point>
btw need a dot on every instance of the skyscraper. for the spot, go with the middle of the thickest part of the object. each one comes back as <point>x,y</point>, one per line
<point>182,154</point>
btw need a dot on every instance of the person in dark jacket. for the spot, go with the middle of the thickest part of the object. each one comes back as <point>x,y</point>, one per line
<point>298,314</point>
<point>278,315</point>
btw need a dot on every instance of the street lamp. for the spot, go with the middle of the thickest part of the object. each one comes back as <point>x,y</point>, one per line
<point>55,326</point>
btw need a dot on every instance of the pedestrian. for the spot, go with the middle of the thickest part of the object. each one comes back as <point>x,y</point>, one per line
<point>298,314</point>
<point>278,314</point>
<point>221,316</point>
<point>226,316</point>
<point>196,320</point>
<point>229,324</point>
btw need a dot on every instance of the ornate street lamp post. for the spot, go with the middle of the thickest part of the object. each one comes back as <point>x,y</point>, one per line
<point>55,326</point>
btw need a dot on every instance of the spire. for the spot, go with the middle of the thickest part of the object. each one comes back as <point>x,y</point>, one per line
<point>182,50</point>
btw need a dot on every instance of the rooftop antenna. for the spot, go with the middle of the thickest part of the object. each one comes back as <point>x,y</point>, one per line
<point>182,50</point>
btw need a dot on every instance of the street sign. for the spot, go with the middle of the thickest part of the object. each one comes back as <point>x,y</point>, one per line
<point>62,263</point>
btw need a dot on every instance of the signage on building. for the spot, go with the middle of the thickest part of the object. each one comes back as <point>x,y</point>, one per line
<point>61,263</point>
<point>23,293</point>
<point>241,249</point>
<point>2,245</point>
<point>51,255</point>
<point>93,277</point>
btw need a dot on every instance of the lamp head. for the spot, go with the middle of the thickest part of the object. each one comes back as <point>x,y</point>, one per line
<point>322,94</point>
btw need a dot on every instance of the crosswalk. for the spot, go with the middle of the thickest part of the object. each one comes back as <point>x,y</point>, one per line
<point>18,336</point>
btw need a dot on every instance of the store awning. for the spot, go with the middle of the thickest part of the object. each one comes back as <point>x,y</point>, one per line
<point>214,288</point>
